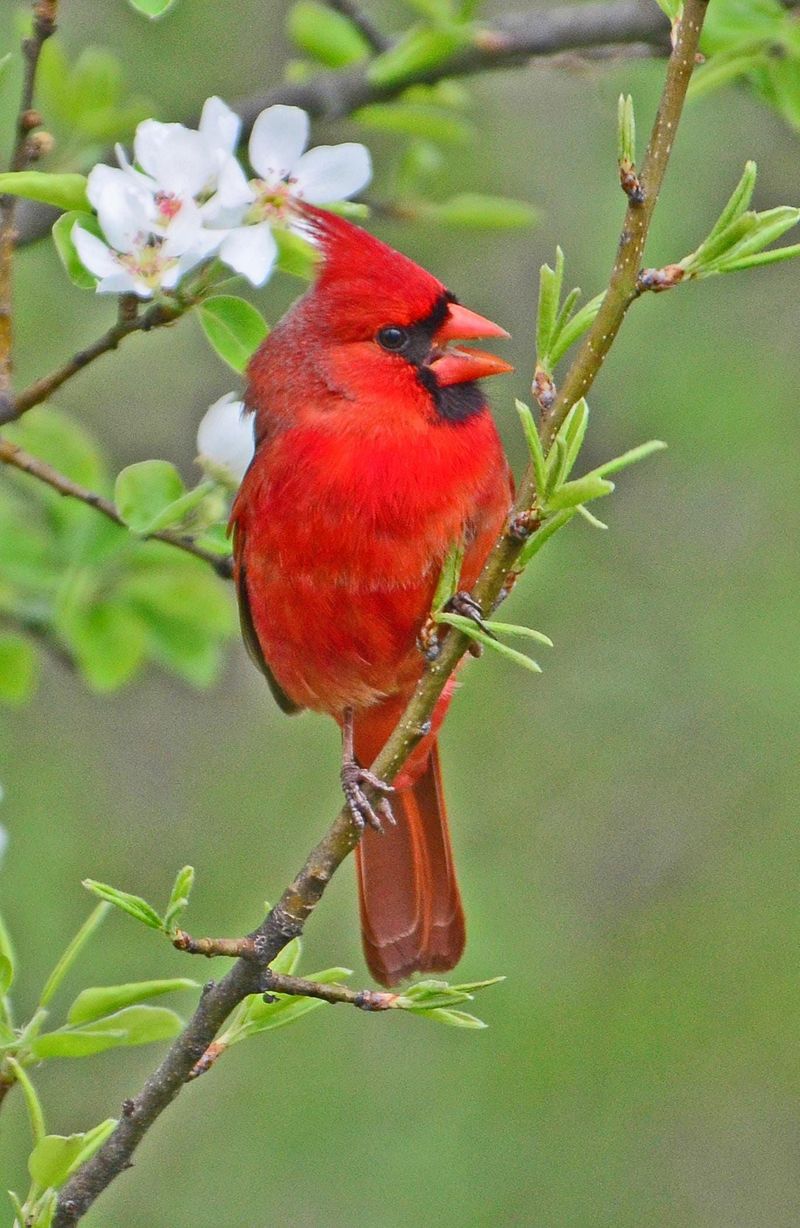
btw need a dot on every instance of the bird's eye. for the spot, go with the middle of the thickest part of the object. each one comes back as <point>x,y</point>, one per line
<point>393,338</point>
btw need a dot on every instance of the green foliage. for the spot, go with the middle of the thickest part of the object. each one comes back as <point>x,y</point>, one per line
<point>77,272</point>
<point>152,8</point>
<point>18,669</point>
<point>558,324</point>
<point>421,48</point>
<point>92,590</point>
<point>626,131</point>
<point>100,1000</point>
<point>234,328</point>
<point>65,191</point>
<point>476,209</point>
<point>740,236</point>
<point>139,908</point>
<point>179,897</point>
<point>436,999</point>
<point>489,639</point>
<point>326,36</point>
<point>757,41</point>
<point>71,953</point>
<point>133,1025</point>
<point>56,1157</point>
<point>86,104</point>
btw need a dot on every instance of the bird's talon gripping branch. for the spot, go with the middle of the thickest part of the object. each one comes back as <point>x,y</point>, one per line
<point>354,778</point>
<point>466,605</point>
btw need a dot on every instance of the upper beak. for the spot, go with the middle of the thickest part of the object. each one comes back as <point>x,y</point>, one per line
<point>460,365</point>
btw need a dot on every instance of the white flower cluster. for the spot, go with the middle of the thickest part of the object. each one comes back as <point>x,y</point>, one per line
<point>186,197</point>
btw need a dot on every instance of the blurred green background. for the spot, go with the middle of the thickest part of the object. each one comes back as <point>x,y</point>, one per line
<point>625,824</point>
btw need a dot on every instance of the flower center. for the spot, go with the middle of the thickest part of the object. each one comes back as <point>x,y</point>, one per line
<point>273,199</point>
<point>147,261</point>
<point>168,205</point>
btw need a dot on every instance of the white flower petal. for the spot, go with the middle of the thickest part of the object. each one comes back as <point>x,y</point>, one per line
<point>123,282</point>
<point>233,190</point>
<point>144,180</point>
<point>94,254</point>
<point>332,172</point>
<point>251,251</point>
<point>225,437</point>
<point>181,161</point>
<point>124,208</point>
<point>220,125</point>
<point>279,136</point>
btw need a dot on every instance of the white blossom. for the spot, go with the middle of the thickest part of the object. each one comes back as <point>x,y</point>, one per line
<point>225,441</point>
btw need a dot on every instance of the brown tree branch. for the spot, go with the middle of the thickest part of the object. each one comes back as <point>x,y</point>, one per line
<point>12,454</point>
<point>287,919</point>
<point>44,24</point>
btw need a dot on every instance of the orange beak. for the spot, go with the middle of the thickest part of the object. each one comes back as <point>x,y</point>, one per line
<point>458,365</point>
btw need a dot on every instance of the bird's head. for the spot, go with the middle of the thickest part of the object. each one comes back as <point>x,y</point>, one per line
<point>388,325</point>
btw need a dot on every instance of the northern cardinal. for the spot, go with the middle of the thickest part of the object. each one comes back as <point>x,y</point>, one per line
<point>375,454</point>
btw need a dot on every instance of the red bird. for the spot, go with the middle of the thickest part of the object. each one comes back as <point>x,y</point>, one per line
<point>375,453</point>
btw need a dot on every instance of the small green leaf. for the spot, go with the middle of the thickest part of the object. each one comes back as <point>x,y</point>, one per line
<point>630,458</point>
<point>449,576</point>
<point>416,51</point>
<point>6,975</point>
<point>573,432</point>
<point>107,640</point>
<point>179,896</point>
<point>590,486</point>
<point>56,1156</point>
<point>543,534</point>
<point>77,272</point>
<point>524,633</point>
<point>101,1000</point>
<point>455,1019</point>
<point>591,519</point>
<point>739,201</point>
<point>65,191</point>
<point>427,122</point>
<point>260,1016</point>
<point>32,1101</point>
<point>133,1025</point>
<point>132,904</point>
<point>468,627</point>
<point>7,951</point>
<point>18,669</point>
<point>182,509</point>
<point>296,255</point>
<point>327,36</point>
<point>234,328</point>
<point>152,8</point>
<point>142,492</point>
<point>480,210</point>
<point>776,256</point>
<point>626,131</point>
<point>286,961</point>
<point>573,329</point>
<point>72,951</point>
<point>550,281</point>
<point>534,446</point>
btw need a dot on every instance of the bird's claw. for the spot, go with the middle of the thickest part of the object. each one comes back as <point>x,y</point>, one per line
<point>361,808</point>
<point>466,605</point>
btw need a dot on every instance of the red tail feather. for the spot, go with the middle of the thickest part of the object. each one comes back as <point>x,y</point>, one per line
<point>411,916</point>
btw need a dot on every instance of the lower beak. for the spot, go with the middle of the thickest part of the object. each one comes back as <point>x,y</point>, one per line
<point>458,364</point>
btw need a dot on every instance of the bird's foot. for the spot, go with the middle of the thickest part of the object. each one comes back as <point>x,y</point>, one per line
<point>466,605</point>
<point>362,809</point>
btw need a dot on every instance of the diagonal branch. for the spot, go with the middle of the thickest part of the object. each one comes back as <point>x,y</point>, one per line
<point>364,24</point>
<point>288,917</point>
<point>12,454</point>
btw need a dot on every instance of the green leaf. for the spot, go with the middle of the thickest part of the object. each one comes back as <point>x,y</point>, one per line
<point>454,1019</point>
<point>582,490</point>
<point>449,576</point>
<point>626,131</point>
<point>142,492</point>
<point>107,640</point>
<point>18,669</point>
<point>133,1025</point>
<point>534,446</point>
<point>7,952</point>
<point>101,1000</point>
<point>421,120</point>
<point>77,272</point>
<point>56,1156</point>
<point>296,255</point>
<point>416,51</point>
<point>234,328</point>
<point>179,896</point>
<point>574,432</point>
<point>181,511</point>
<point>630,458</point>
<point>260,1016</point>
<point>72,951</point>
<point>524,633</point>
<point>32,1101</point>
<point>468,627</point>
<point>573,329</point>
<point>96,80</point>
<point>152,8</point>
<point>672,8</point>
<point>134,905</point>
<point>65,191</point>
<point>326,36</point>
<point>591,519</point>
<point>6,975</point>
<point>488,212</point>
<point>286,961</point>
<point>550,281</point>
<point>543,534</point>
<point>775,256</point>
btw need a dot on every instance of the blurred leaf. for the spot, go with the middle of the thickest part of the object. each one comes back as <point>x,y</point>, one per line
<point>152,8</point>
<point>296,256</point>
<point>18,669</point>
<point>96,80</point>
<point>6,975</point>
<point>489,212</point>
<point>58,439</point>
<point>101,1000</point>
<point>416,51</point>
<point>77,272</point>
<point>234,328</point>
<point>134,1025</point>
<point>56,1156</point>
<point>142,491</point>
<point>672,8</point>
<point>132,904</point>
<point>65,191</point>
<point>325,35</point>
<point>7,953</point>
<point>179,896</point>
<point>72,951</point>
<point>107,640</point>
<point>421,120</point>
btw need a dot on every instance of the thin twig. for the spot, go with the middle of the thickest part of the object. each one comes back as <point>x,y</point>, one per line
<point>363,999</point>
<point>234,948</point>
<point>371,34</point>
<point>44,24</point>
<point>288,917</point>
<point>39,632</point>
<point>12,454</point>
<point>40,390</point>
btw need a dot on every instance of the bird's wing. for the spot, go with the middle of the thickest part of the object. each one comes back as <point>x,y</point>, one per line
<point>250,636</point>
